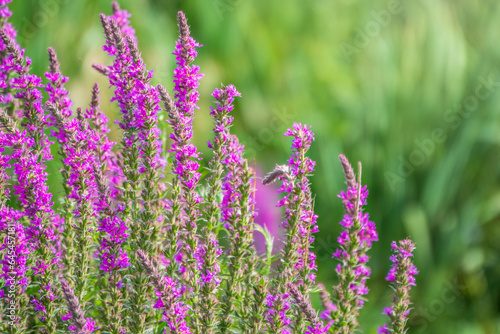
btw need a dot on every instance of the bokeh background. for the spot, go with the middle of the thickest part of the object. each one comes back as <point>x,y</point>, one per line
<point>411,88</point>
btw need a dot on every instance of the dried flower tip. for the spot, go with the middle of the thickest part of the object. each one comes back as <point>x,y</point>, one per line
<point>101,69</point>
<point>11,48</point>
<point>54,64</point>
<point>115,7</point>
<point>183,26</point>
<point>348,171</point>
<point>165,99</point>
<point>107,29</point>
<point>94,101</point>
<point>134,51</point>
<point>77,316</point>
<point>117,36</point>
<point>278,171</point>
<point>303,304</point>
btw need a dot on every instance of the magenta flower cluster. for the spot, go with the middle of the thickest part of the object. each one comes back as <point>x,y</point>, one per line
<point>402,278</point>
<point>147,238</point>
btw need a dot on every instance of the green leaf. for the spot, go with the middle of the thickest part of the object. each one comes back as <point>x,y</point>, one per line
<point>269,245</point>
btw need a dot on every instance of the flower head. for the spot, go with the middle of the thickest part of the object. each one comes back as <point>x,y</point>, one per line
<point>355,240</point>
<point>402,278</point>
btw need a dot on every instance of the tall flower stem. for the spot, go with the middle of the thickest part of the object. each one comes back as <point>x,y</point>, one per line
<point>300,220</point>
<point>237,215</point>
<point>32,190</point>
<point>173,216</point>
<point>139,104</point>
<point>183,214</point>
<point>402,279</point>
<point>169,293</point>
<point>355,240</point>
<point>208,257</point>
<point>113,258</point>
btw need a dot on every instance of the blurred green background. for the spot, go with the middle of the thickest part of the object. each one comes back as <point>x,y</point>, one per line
<point>409,88</point>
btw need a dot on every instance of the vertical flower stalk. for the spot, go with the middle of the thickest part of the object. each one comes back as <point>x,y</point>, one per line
<point>105,170</point>
<point>221,113</point>
<point>355,240</point>
<point>183,209</point>
<point>184,165</point>
<point>174,215</point>
<point>58,101</point>
<point>31,149</point>
<point>402,278</point>
<point>79,152</point>
<point>300,220</point>
<point>238,199</point>
<point>139,104</point>
<point>121,79</point>
<point>107,159</point>
<point>276,315</point>
<point>209,251</point>
<point>77,149</point>
<point>169,294</point>
<point>113,257</point>
<point>15,252</point>
<point>58,95</point>
<point>80,324</point>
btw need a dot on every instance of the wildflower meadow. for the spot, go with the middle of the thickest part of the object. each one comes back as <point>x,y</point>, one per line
<point>142,230</point>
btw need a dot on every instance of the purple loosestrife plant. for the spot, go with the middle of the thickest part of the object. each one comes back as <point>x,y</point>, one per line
<point>184,164</point>
<point>80,324</point>
<point>401,275</point>
<point>169,293</point>
<point>148,256</point>
<point>237,209</point>
<point>355,240</point>
<point>209,253</point>
<point>30,151</point>
<point>139,104</point>
<point>300,220</point>
<point>183,209</point>
<point>78,145</point>
<point>278,320</point>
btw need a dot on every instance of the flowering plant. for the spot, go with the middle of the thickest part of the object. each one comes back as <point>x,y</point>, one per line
<point>142,243</point>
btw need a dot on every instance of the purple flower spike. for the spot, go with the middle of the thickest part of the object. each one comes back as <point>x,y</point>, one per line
<point>402,278</point>
<point>169,294</point>
<point>122,17</point>
<point>186,77</point>
<point>30,150</point>
<point>58,95</point>
<point>300,219</point>
<point>14,265</point>
<point>80,324</point>
<point>355,240</point>
<point>141,147</point>
<point>277,317</point>
<point>113,234</point>
<point>318,329</point>
<point>184,212</point>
